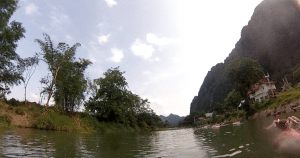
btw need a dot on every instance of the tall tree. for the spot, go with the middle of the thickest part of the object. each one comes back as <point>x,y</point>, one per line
<point>29,65</point>
<point>244,73</point>
<point>51,56</point>
<point>67,81</point>
<point>10,34</point>
<point>71,82</point>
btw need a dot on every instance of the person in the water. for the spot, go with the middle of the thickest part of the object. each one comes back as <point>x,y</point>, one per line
<point>288,141</point>
<point>295,122</point>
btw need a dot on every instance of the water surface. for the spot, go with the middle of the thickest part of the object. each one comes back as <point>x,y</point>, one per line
<point>246,140</point>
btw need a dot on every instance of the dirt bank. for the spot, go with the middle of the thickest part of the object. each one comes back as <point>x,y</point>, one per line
<point>282,109</point>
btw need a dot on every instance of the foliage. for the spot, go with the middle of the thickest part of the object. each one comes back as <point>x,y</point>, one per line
<point>29,65</point>
<point>19,111</point>
<point>244,73</point>
<point>10,34</point>
<point>241,114</point>
<point>219,108</point>
<point>113,102</point>
<point>190,119</point>
<point>53,121</point>
<point>14,102</point>
<point>67,81</point>
<point>6,118</point>
<point>233,100</point>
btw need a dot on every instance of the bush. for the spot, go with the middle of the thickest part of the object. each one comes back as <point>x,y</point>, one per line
<point>6,118</point>
<point>227,114</point>
<point>219,119</point>
<point>53,121</point>
<point>14,102</point>
<point>256,105</point>
<point>90,121</point>
<point>241,114</point>
<point>19,111</point>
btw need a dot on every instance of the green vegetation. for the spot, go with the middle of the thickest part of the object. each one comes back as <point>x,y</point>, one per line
<point>10,69</point>
<point>67,81</point>
<point>54,118</point>
<point>54,121</point>
<point>113,102</point>
<point>243,74</point>
<point>19,111</point>
<point>281,98</point>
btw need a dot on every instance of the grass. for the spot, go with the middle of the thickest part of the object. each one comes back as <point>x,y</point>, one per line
<point>19,111</point>
<point>53,121</point>
<point>56,119</point>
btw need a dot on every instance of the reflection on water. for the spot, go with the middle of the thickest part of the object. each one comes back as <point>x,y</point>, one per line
<point>245,140</point>
<point>22,143</point>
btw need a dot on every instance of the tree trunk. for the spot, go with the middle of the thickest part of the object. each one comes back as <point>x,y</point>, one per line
<point>51,87</point>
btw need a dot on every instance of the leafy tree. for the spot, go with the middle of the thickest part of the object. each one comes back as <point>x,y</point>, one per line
<point>244,73</point>
<point>219,108</point>
<point>67,81</point>
<point>10,34</point>
<point>52,56</point>
<point>233,100</point>
<point>70,81</point>
<point>114,102</point>
<point>29,65</point>
<point>190,119</point>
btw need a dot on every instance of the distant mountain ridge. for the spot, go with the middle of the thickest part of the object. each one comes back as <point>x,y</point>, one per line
<point>172,118</point>
<point>272,37</point>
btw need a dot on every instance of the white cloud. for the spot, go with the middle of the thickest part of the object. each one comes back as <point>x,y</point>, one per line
<point>69,38</point>
<point>103,39</point>
<point>111,3</point>
<point>152,38</point>
<point>147,73</point>
<point>140,49</point>
<point>92,58</point>
<point>117,55</point>
<point>155,59</point>
<point>34,96</point>
<point>58,19</point>
<point>30,9</point>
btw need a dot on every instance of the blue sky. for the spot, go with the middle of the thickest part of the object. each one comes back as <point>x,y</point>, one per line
<point>166,47</point>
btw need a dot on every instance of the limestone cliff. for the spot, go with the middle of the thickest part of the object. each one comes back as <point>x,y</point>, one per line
<point>272,37</point>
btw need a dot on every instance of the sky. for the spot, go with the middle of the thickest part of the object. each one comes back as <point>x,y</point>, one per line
<point>165,47</point>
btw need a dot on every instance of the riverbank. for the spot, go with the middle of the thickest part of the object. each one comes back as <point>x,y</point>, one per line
<point>282,103</point>
<point>15,114</point>
<point>285,102</point>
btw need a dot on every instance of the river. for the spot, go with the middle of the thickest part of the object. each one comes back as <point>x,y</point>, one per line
<point>246,140</point>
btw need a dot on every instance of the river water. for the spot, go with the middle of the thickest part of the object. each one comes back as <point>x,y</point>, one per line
<point>246,140</point>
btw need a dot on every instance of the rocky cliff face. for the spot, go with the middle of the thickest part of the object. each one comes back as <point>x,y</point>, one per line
<point>272,37</point>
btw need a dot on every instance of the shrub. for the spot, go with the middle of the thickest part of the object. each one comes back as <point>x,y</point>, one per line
<point>19,111</point>
<point>6,118</point>
<point>53,121</point>
<point>14,102</point>
<point>227,114</point>
<point>256,105</point>
<point>241,114</point>
<point>90,121</point>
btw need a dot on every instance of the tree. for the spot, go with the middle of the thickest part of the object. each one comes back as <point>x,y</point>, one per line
<point>232,100</point>
<point>244,73</point>
<point>29,65</point>
<point>114,102</point>
<point>52,58</point>
<point>71,82</point>
<point>66,80</point>
<point>10,34</point>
